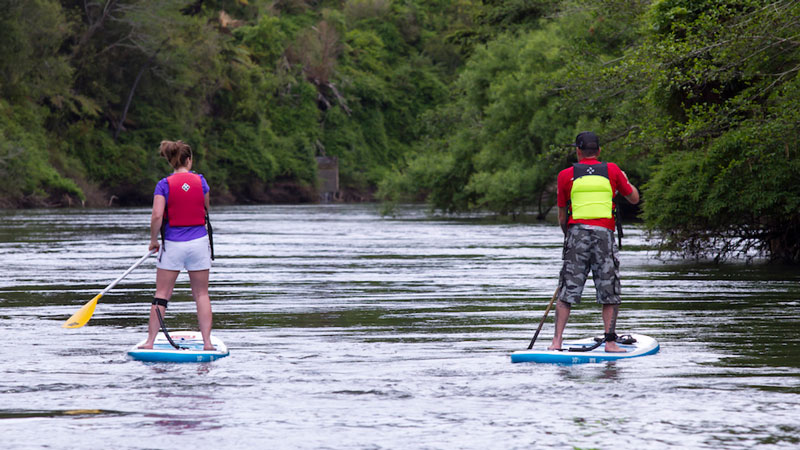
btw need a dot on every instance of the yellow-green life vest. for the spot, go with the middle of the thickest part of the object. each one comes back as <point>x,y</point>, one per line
<point>591,196</point>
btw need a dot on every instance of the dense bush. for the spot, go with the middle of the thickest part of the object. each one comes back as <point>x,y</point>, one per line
<point>467,104</point>
<point>697,100</point>
<point>258,88</point>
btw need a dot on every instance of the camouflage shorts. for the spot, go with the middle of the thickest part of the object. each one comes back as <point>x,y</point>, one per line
<point>590,247</point>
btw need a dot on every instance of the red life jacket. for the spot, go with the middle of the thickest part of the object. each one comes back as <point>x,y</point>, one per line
<point>186,205</point>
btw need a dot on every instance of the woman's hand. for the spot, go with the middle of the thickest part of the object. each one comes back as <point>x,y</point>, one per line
<point>156,219</point>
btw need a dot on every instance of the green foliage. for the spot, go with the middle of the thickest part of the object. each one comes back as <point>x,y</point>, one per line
<point>258,88</point>
<point>496,17</point>
<point>30,65</point>
<point>467,104</point>
<point>720,85</point>
<point>696,99</point>
<point>29,179</point>
<point>265,41</point>
<point>510,124</point>
<point>735,195</point>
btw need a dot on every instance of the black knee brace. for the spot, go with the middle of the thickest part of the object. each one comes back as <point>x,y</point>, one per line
<point>160,301</point>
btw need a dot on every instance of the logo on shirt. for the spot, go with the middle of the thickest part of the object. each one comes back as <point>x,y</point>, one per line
<point>185,187</point>
<point>590,171</point>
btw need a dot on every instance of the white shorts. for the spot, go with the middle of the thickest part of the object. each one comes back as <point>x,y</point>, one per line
<point>190,255</point>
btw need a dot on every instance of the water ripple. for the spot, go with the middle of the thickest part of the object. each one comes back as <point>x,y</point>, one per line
<point>348,330</point>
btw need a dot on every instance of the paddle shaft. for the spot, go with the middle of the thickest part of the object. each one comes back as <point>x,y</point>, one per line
<point>541,323</point>
<point>555,294</point>
<point>125,274</point>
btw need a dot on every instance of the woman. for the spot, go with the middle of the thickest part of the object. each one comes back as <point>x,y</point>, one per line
<point>180,204</point>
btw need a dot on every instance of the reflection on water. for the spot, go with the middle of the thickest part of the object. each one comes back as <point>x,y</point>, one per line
<point>28,414</point>
<point>348,330</point>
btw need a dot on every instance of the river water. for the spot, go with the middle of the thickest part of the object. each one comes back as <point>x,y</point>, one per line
<point>349,330</point>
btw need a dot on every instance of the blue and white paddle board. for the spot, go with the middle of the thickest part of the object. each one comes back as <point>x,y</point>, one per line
<point>192,351</point>
<point>644,345</point>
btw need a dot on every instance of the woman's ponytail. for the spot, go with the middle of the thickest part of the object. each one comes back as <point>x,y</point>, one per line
<point>177,153</point>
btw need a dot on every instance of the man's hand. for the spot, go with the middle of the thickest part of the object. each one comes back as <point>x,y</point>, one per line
<point>562,219</point>
<point>633,197</point>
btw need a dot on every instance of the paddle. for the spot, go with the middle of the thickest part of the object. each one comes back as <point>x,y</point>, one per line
<point>546,311</point>
<point>83,315</point>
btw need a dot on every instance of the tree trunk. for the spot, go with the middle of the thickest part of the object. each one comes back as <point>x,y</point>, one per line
<point>93,27</point>
<point>146,65</point>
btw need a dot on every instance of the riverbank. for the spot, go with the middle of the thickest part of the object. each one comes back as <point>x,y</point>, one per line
<point>281,192</point>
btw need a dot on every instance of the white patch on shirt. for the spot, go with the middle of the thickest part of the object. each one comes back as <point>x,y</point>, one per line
<point>185,187</point>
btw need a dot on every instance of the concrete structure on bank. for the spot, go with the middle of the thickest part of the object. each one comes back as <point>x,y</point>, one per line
<point>328,178</point>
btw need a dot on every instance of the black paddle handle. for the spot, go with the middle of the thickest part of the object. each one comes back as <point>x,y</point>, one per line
<point>210,235</point>
<point>541,323</point>
<point>555,294</point>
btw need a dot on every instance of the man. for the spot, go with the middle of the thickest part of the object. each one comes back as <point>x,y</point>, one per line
<point>586,214</point>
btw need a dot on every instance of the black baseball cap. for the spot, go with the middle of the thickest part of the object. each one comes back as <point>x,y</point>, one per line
<point>587,141</point>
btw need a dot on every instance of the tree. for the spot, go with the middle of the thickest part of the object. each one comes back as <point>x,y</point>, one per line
<point>33,77</point>
<point>503,138</point>
<point>730,91</point>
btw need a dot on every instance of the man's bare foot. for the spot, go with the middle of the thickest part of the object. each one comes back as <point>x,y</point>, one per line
<point>146,346</point>
<point>208,347</point>
<point>555,345</point>
<point>612,347</point>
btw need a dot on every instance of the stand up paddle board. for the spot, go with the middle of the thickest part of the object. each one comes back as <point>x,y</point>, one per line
<point>643,346</point>
<point>191,343</point>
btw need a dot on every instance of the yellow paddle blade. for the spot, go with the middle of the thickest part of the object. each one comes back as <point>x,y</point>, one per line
<point>83,315</point>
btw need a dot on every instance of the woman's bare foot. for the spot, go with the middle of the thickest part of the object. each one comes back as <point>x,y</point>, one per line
<point>146,346</point>
<point>555,345</point>
<point>612,347</point>
<point>207,347</point>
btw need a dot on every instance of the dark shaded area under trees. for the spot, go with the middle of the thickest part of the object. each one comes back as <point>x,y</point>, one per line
<point>465,104</point>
